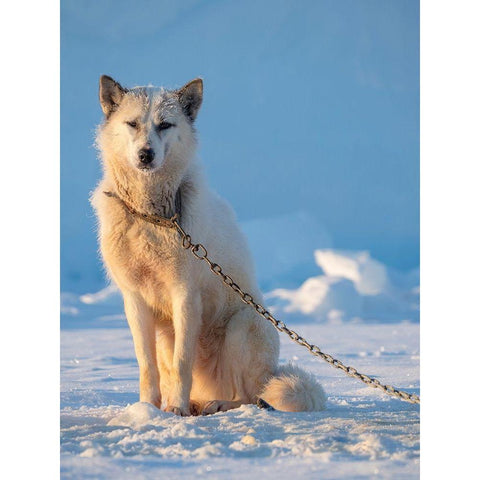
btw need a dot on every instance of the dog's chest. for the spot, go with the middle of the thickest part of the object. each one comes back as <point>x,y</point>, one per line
<point>142,256</point>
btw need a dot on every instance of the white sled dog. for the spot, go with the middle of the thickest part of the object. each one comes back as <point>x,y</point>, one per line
<point>200,350</point>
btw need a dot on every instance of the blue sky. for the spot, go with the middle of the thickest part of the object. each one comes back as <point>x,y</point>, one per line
<point>309,106</point>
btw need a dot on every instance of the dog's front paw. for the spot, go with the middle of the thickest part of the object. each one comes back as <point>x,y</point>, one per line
<point>181,412</point>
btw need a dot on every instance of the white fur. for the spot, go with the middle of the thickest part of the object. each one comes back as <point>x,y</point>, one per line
<point>293,390</point>
<point>198,347</point>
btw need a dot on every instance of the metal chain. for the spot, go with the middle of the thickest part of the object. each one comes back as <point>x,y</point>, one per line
<point>200,252</point>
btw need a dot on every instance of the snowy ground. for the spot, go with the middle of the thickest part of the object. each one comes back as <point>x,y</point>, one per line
<point>106,433</point>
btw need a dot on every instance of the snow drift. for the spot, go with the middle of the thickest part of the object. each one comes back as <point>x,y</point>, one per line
<point>352,286</point>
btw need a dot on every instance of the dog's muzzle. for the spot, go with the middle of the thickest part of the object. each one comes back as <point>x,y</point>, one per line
<point>146,156</point>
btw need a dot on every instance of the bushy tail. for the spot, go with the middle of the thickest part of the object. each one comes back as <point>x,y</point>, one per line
<point>292,389</point>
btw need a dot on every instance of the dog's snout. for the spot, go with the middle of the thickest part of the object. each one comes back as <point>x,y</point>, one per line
<point>146,155</point>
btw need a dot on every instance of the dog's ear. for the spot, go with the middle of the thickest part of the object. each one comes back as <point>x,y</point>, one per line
<point>190,97</point>
<point>110,93</point>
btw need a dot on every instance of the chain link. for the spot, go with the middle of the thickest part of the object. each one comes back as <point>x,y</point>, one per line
<point>201,253</point>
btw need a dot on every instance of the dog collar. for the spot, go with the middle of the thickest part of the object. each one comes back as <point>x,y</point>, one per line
<point>153,219</point>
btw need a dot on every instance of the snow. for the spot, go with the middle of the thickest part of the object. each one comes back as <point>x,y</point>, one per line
<point>352,286</point>
<point>369,276</point>
<point>107,433</point>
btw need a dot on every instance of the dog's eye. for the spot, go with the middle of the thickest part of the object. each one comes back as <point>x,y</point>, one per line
<point>132,124</point>
<point>164,126</point>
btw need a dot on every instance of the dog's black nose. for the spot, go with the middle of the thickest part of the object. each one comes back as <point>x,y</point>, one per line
<point>146,155</point>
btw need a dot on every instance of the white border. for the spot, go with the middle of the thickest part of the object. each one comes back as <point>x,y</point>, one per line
<point>450,203</point>
<point>29,35</point>
<point>450,239</point>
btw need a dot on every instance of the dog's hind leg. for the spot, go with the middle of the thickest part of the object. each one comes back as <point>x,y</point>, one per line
<point>247,359</point>
<point>141,321</point>
<point>215,406</point>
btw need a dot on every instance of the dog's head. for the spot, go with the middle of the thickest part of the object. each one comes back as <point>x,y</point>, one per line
<point>149,129</point>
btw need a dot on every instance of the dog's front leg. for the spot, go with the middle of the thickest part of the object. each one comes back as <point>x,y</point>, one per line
<point>141,321</point>
<point>187,312</point>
